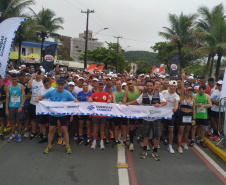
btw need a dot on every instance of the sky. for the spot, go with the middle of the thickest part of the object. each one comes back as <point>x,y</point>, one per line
<point>138,22</point>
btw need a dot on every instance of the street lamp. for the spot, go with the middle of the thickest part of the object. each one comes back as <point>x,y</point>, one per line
<point>100,31</point>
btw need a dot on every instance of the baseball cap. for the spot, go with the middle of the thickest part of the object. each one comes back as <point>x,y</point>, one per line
<point>114,75</point>
<point>109,78</point>
<point>141,75</point>
<point>22,73</point>
<point>220,82</point>
<point>71,83</point>
<point>173,82</point>
<point>190,77</point>
<point>81,78</point>
<point>124,83</point>
<point>77,76</point>
<point>108,85</point>
<point>61,81</point>
<point>49,74</point>
<point>189,88</point>
<point>147,76</point>
<point>95,79</point>
<point>23,66</point>
<point>100,82</point>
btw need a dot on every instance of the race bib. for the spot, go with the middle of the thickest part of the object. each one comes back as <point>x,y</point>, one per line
<point>186,119</point>
<point>15,99</point>
<point>1,105</point>
<point>203,110</point>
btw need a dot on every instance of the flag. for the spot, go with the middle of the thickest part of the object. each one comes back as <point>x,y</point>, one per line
<point>49,56</point>
<point>223,90</point>
<point>8,29</point>
<point>161,69</point>
<point>91,68</point>
<point>100,68</point>
<point>153,69</point>
<point>174,65</point>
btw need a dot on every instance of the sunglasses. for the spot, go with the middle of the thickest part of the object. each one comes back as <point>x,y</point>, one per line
<point>130,84</point>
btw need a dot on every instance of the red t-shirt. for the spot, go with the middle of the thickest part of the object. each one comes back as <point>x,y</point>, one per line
<point>100,97</point>
<point>208,90</point>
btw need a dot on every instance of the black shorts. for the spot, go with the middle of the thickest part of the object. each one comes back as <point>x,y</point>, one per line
<point>140,121</point>
<point>216,114</point>
<point>2,112</point>
<point>85,118</point>
<point>118,121</point>
<point>32,112</point>
<point>99,120</point>
<point>203,122</point>
<point>182,121</point>
<point>132,121</point>
<point>151,125</point>
<point>168,123</point>
<point>43,119</point>
<point>14,114</point>
<point>53,120</point>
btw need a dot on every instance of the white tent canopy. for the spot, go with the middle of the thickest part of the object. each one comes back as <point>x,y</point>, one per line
<point>73,64</point>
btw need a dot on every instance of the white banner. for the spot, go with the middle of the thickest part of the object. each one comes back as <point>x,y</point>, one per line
<point>223,90</point>
<point>8,30</point>
<point>103,109</point>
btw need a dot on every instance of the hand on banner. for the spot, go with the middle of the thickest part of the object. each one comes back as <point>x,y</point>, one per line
<point>120,103</point>
<point>108,101</point>
<point>75,100</point>
<point>90,100</point>
<point>174,109</point>
<point>157,105</point>
<point>37,100</point>
<point>127,104</point>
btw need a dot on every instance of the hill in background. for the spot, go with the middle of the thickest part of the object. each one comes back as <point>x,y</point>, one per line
<point>133,56</point>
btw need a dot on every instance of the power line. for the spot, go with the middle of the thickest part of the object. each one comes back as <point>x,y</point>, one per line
<point>72,4</point>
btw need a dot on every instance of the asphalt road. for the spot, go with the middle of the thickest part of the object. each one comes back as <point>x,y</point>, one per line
<point>25,164</point>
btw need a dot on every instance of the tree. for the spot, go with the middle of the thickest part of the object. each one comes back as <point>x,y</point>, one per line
<point>143,66</point>
<point>47,18</point>
<point>62,53</point>
<point>13,8</point>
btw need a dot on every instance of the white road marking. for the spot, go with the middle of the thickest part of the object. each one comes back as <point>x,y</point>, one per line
<point>215,165</point>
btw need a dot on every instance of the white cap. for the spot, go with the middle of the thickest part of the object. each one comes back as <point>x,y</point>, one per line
<point>141,75</point>
<point>95,79</point>
<point>60,68</point>
<point>39,67</point>
<point>124,83</point>
<point>192,74</point>
<point>14,71</point>
<point>110,72</point>
<point>147,76</point>
<point>220,82</point>
<point>109,78</point>
<point>131,75</point>
<point>114,75</point>
<point>190,77</point>
<point>43,70</point>
<point>76,76</point>
<point>173,82</point>
<point>71,83</point>
<point>23,66</point>
<point>27,74</point>
<point>81,78</point>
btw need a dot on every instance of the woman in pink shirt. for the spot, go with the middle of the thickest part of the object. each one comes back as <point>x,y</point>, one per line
<point>6,81</point>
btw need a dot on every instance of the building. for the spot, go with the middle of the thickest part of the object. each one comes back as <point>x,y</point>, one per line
<point>30,51</point>
<point>78,45</point>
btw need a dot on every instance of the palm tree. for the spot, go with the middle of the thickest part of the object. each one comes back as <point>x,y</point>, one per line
<point>13,8</point>
<point>51,24</point>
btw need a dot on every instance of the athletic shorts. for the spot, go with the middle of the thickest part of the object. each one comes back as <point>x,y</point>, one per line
<point>32,112</point>
<point>140,121</point>
<point>99,120</point>
<point>151,125</point>
<point>185,119</point>
<point>14,114</point>
<point>169,123</point>
<point>26,109</point>
<point>2,112</point>
<point>43,119</point>
<point>85,118</point>
<point>118,121</point>
<point>131,121</point>
<point>53,120</point>
<point>201,122</point>
<point>216,114</point>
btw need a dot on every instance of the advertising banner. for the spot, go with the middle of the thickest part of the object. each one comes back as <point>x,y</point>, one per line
<point>49,56</point>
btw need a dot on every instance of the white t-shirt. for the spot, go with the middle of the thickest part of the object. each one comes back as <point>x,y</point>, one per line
<point>170,98</point>
<point>216,95</point>
<point>43,91</point>
<point>77,90</point>
<point>35,88</point>
<point>140,99</point>
<point>90,88</point>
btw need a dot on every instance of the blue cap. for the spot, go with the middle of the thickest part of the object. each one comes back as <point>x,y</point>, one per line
<point>61,81</point>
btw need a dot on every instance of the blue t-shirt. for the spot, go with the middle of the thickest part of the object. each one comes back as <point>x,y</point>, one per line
<point>113,90</point>
<point>83,97</point>
<point>66,88</point>
<point>53,95</point>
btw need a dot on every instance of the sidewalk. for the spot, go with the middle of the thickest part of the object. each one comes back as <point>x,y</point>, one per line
<point>219,150</point>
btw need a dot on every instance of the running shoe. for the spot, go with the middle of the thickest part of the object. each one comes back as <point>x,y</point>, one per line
<point>64,142</point>
<point>93,146</point>
<point>116,144</point>
<point>1,137</point>
<point>127,137</point>
<point>43,140</point>
<point>80,141</point>
<point>11,139</point>
<point>76,137</point>
<point>87,142</point>
<point>180,150</point>
<point>212,136</point>
<point>138,139</point>
<point>26,134</point>
<point>131,147</point>
<point>18,140</point>
<point>46,151</point>
<point>32,136</point>
<point>185,145</point>
<point>170,148</point>
<point>68,149</point>
<point>60,141</point>
<point>125,144</point>
<point>209,134</point>
<point>202,144</point>
<point>197,140</point>
<point>191,144</point>
<point>143,154</point>
<point>102,147</point>
<point>156,156</point>
<point>142,144</point>
<point>148,148</point>
<point>216,138</point>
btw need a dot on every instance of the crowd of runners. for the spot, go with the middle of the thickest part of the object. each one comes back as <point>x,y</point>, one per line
<point>194,100</point>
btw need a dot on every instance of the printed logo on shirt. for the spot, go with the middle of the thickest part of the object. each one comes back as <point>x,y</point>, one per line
<point>104,97</point>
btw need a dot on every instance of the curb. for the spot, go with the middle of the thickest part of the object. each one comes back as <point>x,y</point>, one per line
<point>215,149</point>
<point>8,130</point>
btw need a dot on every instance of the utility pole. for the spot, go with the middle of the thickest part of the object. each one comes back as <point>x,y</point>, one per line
<point>87,29</point>
<point>117,53</point>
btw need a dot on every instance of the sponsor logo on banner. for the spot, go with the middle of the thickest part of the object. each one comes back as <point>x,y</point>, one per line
<point>104,108</point>
<point>72,107</point>
<point>3,41</point>
<point>49,107</point>
<point>91,107</point>
<point>173,67</point>
<point>154,111</point>
<point>49,58</point>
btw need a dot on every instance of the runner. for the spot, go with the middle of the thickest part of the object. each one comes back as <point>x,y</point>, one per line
<point>15,98</point>
<point>58,94</point>
<point>202,101</point>
<point>3,89</point>
<point>99,121</point>
<point>150,98</point>
<point>78,88</point>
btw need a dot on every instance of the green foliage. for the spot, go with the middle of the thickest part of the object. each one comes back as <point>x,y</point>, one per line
<point>134,56</point>
<point>128,66</point>
<point>62,53</point>
<point>143,66</point>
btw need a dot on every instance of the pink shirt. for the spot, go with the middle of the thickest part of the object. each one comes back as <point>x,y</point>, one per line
<point>6,83</point>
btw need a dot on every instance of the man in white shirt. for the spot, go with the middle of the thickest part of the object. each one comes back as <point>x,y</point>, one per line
<point>78,88</point>
<point>172,99</point>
